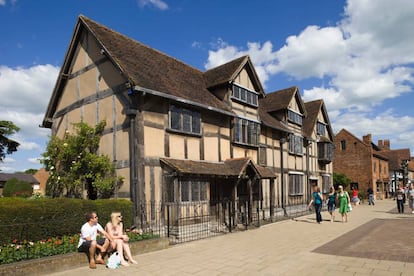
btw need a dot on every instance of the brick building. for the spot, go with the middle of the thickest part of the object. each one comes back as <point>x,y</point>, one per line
<point>363,162</point>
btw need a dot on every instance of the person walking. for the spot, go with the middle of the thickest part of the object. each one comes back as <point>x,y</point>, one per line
<point>317,199</point>
<point>370,196</point>
<point>355,196</point>
<point>342,197</point>
<point>400,196</point>
<point>331,203</point>
<point>410,195</point>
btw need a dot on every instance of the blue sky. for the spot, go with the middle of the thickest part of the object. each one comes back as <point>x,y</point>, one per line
<point>357,55</point>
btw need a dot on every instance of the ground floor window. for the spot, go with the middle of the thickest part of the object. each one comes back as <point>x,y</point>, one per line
<point>326,183</point>
<point>193,190</point>
<point>295,184</point>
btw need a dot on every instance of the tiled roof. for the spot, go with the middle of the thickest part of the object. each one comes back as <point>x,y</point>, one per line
<point>225,73</point>
<point>229,168</point>
<point>273,102</point>
<point>309,122</point>
<point>4,177</point>
<point>278,100</point>
<point>395,157</point>
<point>271,121</point>
<point>151,69</point>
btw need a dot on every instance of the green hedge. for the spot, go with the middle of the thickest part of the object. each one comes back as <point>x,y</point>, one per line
<point>40,219</point>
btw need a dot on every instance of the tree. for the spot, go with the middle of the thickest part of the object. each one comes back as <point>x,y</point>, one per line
<point>75,166</point>
<point>15,187</point>
<point>7,146</point>
<point>30,171</point>
<point>340,179</point>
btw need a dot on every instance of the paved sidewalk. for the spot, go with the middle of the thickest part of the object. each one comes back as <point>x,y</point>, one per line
<point>282,248</point>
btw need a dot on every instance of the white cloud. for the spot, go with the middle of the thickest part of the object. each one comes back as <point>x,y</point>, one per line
<point>25,93</point>
<point>363,61</point>
<point>2,2</point>
<point>34,160</point>
<point>159,4</point>
<point>8,160</point>
<point>365,57</point>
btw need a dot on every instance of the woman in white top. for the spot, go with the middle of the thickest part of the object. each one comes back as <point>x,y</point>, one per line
<point>120,241</point>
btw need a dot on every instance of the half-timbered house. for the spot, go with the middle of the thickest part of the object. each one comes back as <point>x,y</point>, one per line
<point>180,135</point>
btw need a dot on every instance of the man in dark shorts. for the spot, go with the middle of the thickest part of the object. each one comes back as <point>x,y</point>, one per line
<point>88,242</point>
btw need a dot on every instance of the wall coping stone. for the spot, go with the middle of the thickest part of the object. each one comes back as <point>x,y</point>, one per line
<point>72,260</point>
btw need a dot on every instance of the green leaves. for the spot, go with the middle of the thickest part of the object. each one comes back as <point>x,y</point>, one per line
<point>7,146</point>
<point>75,165</point>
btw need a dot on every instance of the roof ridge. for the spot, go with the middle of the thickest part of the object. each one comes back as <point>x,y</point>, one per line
<point>136,41</point>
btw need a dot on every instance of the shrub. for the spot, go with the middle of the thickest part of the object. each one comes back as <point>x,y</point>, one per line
<point>15,187</point>
<point>33,220</point>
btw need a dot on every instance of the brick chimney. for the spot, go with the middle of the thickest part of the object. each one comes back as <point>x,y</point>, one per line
<point>387,144</point>
<point>367,139</point>
<point>380,144</point>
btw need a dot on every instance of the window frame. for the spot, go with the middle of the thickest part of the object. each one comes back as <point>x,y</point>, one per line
<point>295,144</point>
<point>320,128</point>
<point>326,183</point>
<point>184,120</point>
<point>246,132</point>
<point>343,144</point>
<point>294,117</point>
<point>296,181</point>
<point>326,151</point>
<point>243,95</point>
<point>188,190</point>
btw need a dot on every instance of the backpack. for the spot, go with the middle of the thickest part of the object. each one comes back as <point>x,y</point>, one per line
<point>114,261</point>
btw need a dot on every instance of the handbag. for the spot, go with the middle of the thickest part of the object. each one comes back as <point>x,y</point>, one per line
<point>349,207</point>
<point>114,261</point>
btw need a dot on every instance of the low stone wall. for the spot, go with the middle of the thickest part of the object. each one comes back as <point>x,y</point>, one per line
<point>69,261</point>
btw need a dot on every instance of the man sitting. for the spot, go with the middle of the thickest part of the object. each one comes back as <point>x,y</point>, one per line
<point>88,242</point>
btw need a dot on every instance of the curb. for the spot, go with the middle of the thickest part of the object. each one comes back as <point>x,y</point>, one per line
<point>73,260</point>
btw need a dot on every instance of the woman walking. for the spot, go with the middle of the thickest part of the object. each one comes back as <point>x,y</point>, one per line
<point>343,201</point>
<point>331,203</point>
<point>317,200</point>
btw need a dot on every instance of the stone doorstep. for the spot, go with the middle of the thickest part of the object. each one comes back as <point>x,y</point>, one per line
<point>63,262</point>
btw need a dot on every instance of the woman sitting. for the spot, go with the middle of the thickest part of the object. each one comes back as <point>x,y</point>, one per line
<point>120,241</point>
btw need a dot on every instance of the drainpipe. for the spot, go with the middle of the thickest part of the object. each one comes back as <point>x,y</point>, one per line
<point>131,112</point>
<point>308,190</point>
<point>282,141</point>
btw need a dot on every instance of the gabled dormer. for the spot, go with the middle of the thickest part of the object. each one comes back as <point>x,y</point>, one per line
<point>287,107</point>
<point>236,84</point>
<point>317,128</point>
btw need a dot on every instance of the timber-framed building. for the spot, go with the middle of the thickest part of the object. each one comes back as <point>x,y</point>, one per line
<point>178,134</point>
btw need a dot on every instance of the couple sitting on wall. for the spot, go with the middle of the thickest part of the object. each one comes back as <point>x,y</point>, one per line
<point>115,240</point>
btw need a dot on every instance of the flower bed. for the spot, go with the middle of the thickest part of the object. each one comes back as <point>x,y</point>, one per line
<point>27,250</point>
<point>68,261</point>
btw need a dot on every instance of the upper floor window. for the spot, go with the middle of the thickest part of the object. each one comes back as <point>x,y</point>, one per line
<point>325,152</point>
<point>246,132</point>
<point>343,145</point>
<point>244,95</point>
<point>320,128</point>
<point>294,117</point>
<point>295,144</point>
<point>185,120</point>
